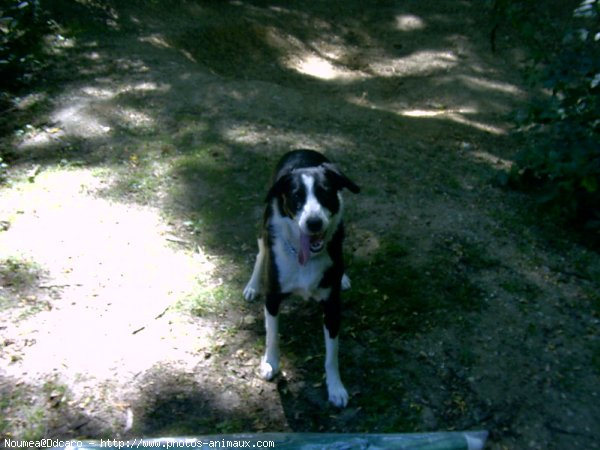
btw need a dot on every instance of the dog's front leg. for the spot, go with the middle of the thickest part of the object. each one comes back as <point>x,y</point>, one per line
<point>252,289</point>
<point>338,395</point>
<point>269,365</point>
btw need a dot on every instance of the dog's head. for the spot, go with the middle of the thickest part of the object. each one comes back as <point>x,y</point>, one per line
<point>311,198</point>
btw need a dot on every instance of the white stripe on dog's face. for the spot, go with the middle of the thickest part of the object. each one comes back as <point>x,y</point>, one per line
<point>312,208</point>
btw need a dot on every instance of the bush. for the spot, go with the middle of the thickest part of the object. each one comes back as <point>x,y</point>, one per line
<point>561,130</point>
<point>22,30</point>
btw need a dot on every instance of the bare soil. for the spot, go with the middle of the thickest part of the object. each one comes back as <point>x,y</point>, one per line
<point>128,224</point>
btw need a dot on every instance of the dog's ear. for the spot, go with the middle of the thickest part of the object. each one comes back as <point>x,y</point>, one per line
<point>338,179</point>
<point>279,187</point>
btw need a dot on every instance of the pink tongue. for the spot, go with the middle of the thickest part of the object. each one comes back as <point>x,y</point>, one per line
<point>304,253</point>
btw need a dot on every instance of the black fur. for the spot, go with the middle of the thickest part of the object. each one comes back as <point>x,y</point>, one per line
<point>289,191</point>
<point>332,278</point>
<point>290,194</point>
<point>300,252</point>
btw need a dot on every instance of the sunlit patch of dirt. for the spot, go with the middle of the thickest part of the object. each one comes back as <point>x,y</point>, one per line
<point>110,277</point>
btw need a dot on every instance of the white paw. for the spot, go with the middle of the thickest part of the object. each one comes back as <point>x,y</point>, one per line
<point>250,292</point>
<point>268,370</point>
<point>346,284</point>
<point>338,396</point>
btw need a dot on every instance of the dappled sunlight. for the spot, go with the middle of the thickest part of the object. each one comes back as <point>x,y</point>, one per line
<point>409,22</point>
<point>425,113</point>
<point>160,42</point>
<point>100,93</point>
<point>495,161</point>
<point>58,45</point>
<point>491,85</point>
<point>459,115</point>
<point>112,14</point>
<point>157,40</point>
<point>133,118</point>
<point>252,134</point>
<point>318,67</point>
<point>131,65</point>
<point>93,112</point>
<point>477,125</point>
<point>105,93</point>
<point>61,42</point>
<point>78,119</point>
<point>420,63</point>
<point>112,276</point>
<point>30,100</point>
<point>320,59</point>
<point>33,137</point>
<point>327,59</point>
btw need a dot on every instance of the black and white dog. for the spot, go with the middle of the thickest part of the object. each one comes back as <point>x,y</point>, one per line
<point>300,252</point>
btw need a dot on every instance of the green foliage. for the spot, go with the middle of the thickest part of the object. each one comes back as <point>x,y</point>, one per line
<point>22,30</point>
<point>561,155</point>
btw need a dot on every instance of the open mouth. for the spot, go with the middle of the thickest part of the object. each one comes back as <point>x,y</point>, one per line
<point>310,244</point>
<point>316,243</point>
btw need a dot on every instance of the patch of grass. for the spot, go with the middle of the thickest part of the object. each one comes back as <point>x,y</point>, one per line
<point>230,425</point>
<point>7,397</point>
<point>207,300</point>
<point>521,289</point>
<point>406,298</point>
<point>397,298</point>
<point>140,171</point>
<point>466,357</point>
<point>594,300</point>
<point>18,273</point>
<point>218,187</point>
<point>386,409</point>
<point>34,419</point>
<point>31,408</point>
<point>19,277</point>
<point>175,404</point>
<point>231,49</point>
<point>476,258</point>
<point>596,359</point>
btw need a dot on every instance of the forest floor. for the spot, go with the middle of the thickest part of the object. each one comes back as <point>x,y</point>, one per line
<point>131,209</point>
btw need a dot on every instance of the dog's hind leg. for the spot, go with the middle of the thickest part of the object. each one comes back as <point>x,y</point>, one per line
<point>252,289</point>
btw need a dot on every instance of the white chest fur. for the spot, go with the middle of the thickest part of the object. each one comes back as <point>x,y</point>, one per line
<point>298,279</point>
<point>294,278</point>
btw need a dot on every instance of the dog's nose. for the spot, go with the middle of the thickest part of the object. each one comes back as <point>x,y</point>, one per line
<point>314,224</point>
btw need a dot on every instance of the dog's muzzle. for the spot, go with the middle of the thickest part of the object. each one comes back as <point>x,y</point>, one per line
<point>312,237</point>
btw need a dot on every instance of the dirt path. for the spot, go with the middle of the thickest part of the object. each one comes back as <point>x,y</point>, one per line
<point>128,230</point>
